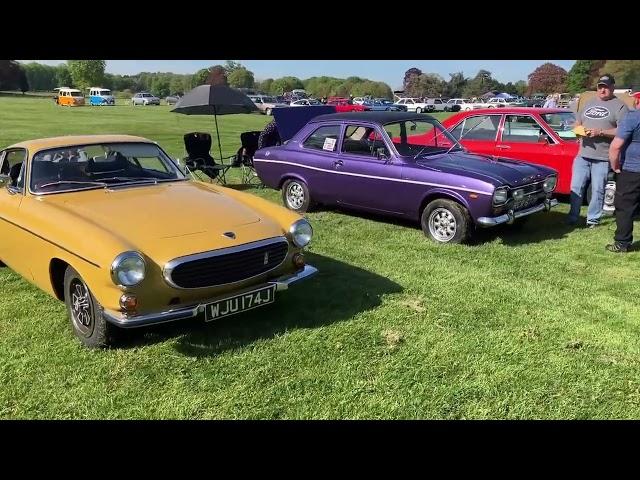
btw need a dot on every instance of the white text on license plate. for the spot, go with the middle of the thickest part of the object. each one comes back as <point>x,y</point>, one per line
<point>240,303</point>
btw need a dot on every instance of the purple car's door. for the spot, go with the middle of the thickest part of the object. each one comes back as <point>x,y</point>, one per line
<point>365,174</point>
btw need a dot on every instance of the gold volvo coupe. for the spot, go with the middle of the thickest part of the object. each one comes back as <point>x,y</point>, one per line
<point>110,225</point>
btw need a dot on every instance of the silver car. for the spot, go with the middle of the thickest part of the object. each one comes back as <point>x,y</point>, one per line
<point>266,103</point>
<point>144,98</point>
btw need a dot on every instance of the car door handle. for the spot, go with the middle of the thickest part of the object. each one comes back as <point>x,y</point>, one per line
<point>338,163</point>
<point>503,147</point>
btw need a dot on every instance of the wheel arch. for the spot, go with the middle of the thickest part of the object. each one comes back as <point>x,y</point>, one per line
<point>436,194</point>
<point>57,268</point>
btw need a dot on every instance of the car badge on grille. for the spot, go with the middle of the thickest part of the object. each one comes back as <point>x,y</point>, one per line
<point>266,258</point>
<point>229,235</point>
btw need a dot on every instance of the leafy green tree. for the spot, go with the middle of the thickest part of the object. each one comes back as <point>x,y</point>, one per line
<point>200,77</point>
<point>241,77</point>
<point>578,76</point>
<point>42,77</point>
<point>409,77</point>
<point>626,72</point>
<point>160,86</point>
<point>480,84</point>
<point>86,73</point>
<point>455,85</point>
<point>286,84</point>
<point>177,85</point>
<point>265,85</point>
<point>63,77</point>
<point>547,78</point>
<point>521,87</point>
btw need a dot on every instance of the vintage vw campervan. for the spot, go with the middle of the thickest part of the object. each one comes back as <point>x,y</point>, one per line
<point>101,96</point>
<point>69,96</point>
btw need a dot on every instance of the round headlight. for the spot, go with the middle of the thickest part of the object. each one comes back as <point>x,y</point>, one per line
<point>301,233</point>
<point>500,196</point>
<point>549,183</point>
<point>128,269</point>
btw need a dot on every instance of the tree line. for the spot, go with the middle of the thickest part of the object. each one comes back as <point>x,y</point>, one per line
<point>545,79</point>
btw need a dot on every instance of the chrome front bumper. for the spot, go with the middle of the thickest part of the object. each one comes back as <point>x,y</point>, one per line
<point>183,313</point>
<point>511,216</point>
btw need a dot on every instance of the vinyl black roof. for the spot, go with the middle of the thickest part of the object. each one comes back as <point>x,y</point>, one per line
<point>375,117</point>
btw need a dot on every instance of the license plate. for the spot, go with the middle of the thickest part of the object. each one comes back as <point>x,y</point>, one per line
<point>239,303</point>
<point>524,203</point>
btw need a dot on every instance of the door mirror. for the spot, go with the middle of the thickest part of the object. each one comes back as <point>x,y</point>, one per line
<point>543,138</point>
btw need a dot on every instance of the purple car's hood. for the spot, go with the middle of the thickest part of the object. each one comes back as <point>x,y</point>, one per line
<point>482,167</point>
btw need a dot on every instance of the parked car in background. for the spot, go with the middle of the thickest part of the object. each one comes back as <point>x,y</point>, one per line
<point>172,99</point>
<point>110,225</point>
<point>386,101</point>
<point>405,165</point>
<point>497,102</point>
<point>413,105</point>
<point>345,105</point>
<point>378,106</point>
<point>101,96</point>
<point>458,104</point>
<point>436,105</point>
<point>144,98</point>
<point>266,103</point>
<point>542,136</point>
<point>305,102</point>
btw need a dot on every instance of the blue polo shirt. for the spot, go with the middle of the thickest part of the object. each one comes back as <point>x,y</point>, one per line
<point>629,131</point>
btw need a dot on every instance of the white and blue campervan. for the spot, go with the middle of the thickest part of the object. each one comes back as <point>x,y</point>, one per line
<point>101,96</point>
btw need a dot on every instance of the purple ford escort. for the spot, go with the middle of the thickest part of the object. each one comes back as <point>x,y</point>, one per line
<point>405,165</point>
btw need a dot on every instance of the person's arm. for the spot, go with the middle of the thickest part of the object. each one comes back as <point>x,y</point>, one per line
<point>614,153</point>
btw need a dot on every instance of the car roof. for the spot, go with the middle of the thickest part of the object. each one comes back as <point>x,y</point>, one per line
<point>71,140</point>
<point>517,110</point>
<point>374,117</point>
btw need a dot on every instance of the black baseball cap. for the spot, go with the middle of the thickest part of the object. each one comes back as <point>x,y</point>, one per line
<point>607,80</point>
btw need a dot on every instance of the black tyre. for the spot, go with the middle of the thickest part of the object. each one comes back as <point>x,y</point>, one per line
<point>445,221</point>
<point>268,112</point>
<point>296,196</point>
<point>418,110</point>
<point>87,323</point>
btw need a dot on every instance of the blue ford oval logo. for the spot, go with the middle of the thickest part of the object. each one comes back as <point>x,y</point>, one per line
<point>596,112</point>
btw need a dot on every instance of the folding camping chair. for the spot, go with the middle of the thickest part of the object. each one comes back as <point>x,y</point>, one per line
<point>198,157</point>
<point>244,158</point>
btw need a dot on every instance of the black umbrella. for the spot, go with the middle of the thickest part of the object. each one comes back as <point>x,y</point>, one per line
<point>214,100</point>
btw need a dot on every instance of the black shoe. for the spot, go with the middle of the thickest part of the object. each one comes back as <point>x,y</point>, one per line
<point>617,247</point>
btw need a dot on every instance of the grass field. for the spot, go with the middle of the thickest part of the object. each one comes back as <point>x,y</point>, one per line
<point>536,323</point>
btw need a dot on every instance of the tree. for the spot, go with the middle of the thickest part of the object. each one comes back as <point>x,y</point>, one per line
<point>200,77</point>
<point>265,85</point>
<point>547,78</point>
<point>626,72</point>
<point>241,77</point>
<point>455,85</point>
<point>160,86</point>
<point>408,76</point>
<point>86,73</point>
<point>286,84</point>
<point>521,87</point>
<point>231,66</point>
<point>177,84</point>
<point>63,76</point>
<point>578,76</point>
<point>425,85</point>
<point>217,76</point>
<point>480,84</point>
<point>42,77</point>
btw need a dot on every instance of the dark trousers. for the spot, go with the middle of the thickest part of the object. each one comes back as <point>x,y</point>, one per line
<point>626,203</point>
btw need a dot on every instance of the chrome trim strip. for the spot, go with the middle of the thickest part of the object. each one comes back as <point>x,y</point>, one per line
<point>374,177</point>
<point>172,264</point>
<point>52,243</point>
<point>124,321</point>
<point>510,216</point>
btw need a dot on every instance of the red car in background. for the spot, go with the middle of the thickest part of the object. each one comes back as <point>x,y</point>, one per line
<point>541,135</point>
<point>344,104</point>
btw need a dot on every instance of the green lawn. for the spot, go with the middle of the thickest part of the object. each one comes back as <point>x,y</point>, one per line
<point>537,323</point>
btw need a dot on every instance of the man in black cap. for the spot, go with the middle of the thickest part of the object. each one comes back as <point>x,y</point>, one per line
<point>600,118</point>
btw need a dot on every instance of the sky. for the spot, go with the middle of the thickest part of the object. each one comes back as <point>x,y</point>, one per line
<point>388,71</point>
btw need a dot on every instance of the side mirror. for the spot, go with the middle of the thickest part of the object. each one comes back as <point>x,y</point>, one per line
<point>5,180</point>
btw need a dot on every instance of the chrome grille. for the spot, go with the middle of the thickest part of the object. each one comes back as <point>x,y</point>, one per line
<point>227,265</point>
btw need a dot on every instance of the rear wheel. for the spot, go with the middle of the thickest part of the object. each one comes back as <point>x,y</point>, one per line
<point>445,221</point>
<point>85,316</point>
<point>296,196</point>
<point>418,110</point>
<point>268,112</point>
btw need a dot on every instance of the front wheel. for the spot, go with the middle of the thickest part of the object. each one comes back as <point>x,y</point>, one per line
<point>445,221</point>
<point>418,110</point>
<point>87,322</point>
<point>268,112</point>
<point>296,196</point>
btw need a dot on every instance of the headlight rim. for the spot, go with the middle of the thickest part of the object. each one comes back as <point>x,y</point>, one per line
<point>555,183</point>
<point>116,263</point>
<point>506,196</point>
<point>292,230</point>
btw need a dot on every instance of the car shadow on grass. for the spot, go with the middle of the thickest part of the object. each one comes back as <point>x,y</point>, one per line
<point>337,293</point>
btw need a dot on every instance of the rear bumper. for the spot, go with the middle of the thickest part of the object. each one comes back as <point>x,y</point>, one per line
<point>183,313</point>
<point>511,216</point>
